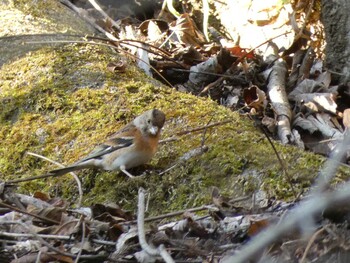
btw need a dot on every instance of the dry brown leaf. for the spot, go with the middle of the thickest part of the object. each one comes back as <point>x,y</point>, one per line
<point>42,196</point>
<point>117,66</point>
<point>318,102</point>
<point>54,213</point>
<point>257,226</point>
<point>113,210</point>
<point>187,31</point>
<point>254,98</point>
<point>154,29</point>
<point>68,228</point>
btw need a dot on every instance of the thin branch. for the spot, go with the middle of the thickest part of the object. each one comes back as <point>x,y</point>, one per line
<point>307,16</point>
<point>281,162</point>
<point>311,241</point>
<point>57,237</point>
<point>82,239</point>
<point>45,219</point>
<point>76,178</point>
<point>141,232</point>
<point>177,213</point>
<point>107,45</point>
<point>40,239</point>
<point>188,155</point>
<point>204,127</point>
<point>49,246</point>
<point>38,257</point>
<point>88,19</point>
<point>103,13</point>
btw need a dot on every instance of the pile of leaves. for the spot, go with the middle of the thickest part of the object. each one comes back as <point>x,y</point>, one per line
<point>286,90</point>
<point>293,99</point>
<point>44,229</point>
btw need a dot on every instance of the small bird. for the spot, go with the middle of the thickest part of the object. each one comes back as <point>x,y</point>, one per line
<point>133,145</point>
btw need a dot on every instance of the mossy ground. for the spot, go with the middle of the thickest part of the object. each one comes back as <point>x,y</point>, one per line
<point>62,102</point>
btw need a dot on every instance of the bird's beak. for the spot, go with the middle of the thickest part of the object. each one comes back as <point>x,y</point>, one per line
<point>153,130</point>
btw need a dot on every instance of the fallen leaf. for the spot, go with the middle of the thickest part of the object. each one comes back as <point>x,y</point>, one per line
<point>257,226</point>
<point>187,32</point>
<point>318,102</point>
<point>117,66</point>
<point>254,98</point>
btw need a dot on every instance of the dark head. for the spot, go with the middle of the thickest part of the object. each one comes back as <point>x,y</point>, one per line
<point>150,121</point>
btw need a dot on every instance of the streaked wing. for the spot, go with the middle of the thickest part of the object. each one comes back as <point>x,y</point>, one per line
<point>109,146</point>
<point>121,139</point>
<point>127,132</point>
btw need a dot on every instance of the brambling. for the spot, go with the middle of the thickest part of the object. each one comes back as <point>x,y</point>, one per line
<point>133,145</point>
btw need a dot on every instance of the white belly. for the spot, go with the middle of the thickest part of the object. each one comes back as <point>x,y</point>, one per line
<point>128,160</point>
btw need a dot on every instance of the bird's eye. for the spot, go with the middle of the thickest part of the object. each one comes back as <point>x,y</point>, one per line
<point>149,121</point>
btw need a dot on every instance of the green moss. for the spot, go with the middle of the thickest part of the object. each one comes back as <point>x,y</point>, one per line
<point>62,102</point>
<point>50,16</point>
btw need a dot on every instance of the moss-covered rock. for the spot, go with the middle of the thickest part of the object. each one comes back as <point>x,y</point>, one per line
<point>61,102</point>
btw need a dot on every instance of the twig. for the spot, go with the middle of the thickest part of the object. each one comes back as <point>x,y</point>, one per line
<point>203,127</point>
<point>188,155</point>
<point>141,232</point>
<point>227,76</point>
<point>57,237</point>
<point>307,16</point>
<point>23,235</point>
<point>88,19</point>
<point>76,178</point>
<point>45,219</point>
<point>165,54</point>
<point>40,239</point>
<point>38,257</point>
<point>192,153</point>
<point>107,45</point>
<point>82,239</point>
<point>284,168</point>
<point>49,246</point>
<point>276,86</point>
<point>204,133</point>
<point>174,138</point>
<point>111,37</point>
<point>103,13</point>
<point>205,19</point>
<point>311,241</point>
<point>177,213</point>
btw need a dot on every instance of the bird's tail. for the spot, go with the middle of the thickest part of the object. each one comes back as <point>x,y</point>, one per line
<point>68,169</point>
<point>56,172</point>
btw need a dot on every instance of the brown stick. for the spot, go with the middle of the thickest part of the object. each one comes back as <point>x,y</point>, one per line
<point>30,214</point>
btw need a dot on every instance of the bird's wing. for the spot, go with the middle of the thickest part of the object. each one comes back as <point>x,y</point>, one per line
<point>128,131</point>
<point>121,139</point>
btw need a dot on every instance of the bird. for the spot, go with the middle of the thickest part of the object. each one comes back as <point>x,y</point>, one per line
<point>131,146</point>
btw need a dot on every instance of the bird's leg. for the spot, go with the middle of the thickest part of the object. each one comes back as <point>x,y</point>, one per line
<point>122,168</point>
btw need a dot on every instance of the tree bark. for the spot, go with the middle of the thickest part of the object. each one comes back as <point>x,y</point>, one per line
<point>336,20</point>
